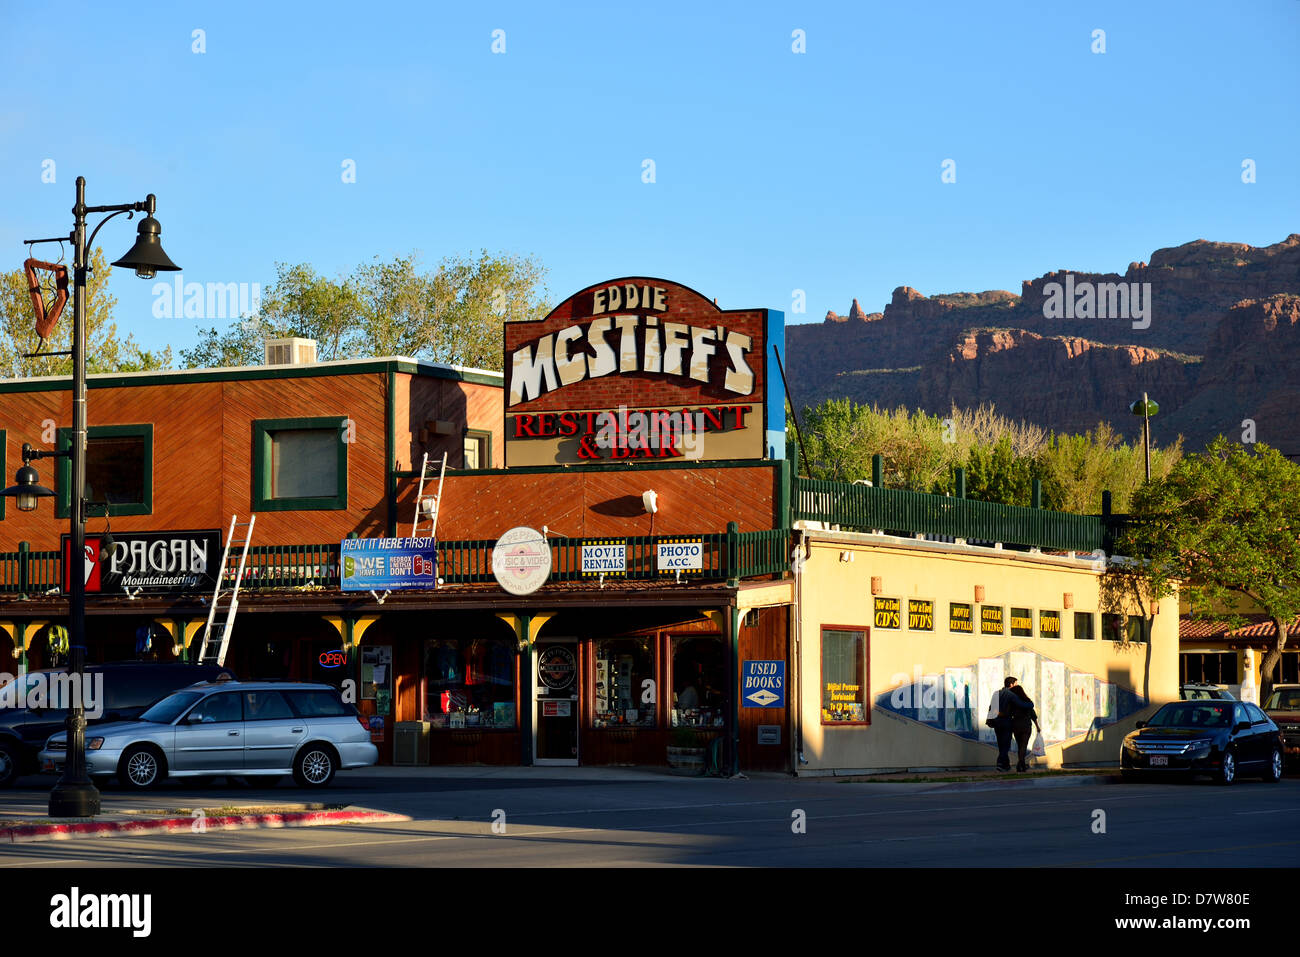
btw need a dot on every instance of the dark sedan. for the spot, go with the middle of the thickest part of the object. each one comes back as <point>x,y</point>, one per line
<point>1221,738</point>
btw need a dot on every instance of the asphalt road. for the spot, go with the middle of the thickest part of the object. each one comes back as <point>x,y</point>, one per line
<point>647,819</point>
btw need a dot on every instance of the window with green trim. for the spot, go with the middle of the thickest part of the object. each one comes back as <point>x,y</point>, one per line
<point>119,469</point>
<point>300,464</point>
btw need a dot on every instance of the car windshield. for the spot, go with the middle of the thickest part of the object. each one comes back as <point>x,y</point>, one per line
<point>169,708</point>
<point>1208,714</point>
<point>1284,699</point>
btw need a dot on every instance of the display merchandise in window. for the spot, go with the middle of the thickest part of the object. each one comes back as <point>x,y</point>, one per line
<point>622,697</point>
<point>699,677</point>
<point>469,683</point>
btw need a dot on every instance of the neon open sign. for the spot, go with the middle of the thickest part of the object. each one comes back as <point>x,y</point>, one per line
<point>333,659</point>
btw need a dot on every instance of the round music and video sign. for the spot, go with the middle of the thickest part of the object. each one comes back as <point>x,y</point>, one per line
<point>556,667</point>
<point>521,560</point>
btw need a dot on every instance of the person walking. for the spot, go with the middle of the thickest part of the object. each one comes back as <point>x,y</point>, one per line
<point>1024,721</point>
<point>1001,710</point>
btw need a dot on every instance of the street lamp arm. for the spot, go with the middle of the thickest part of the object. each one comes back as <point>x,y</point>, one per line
<point>30,453</point>
<point>130,213</point>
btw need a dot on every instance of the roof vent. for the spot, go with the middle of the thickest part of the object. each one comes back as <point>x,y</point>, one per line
<point>290,352</point>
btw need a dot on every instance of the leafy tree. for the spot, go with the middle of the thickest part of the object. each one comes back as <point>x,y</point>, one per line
<point>996,474</point>
<point>106,351</point>
<point>452,314</point>
<point>1002,456</point>
<point>1225,525</point>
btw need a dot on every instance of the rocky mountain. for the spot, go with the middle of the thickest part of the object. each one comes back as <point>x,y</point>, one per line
<point>1210,330</point>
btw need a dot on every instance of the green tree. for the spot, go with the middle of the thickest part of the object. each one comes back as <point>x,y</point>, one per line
<point>451,314</point>
<point>996,474</point>
<point>106,351</point>
<point>1223,527</point>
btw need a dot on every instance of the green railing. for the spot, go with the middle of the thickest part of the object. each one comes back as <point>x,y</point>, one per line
<point>730,555</point>
<point>864,508</point>
<point>27,572</point>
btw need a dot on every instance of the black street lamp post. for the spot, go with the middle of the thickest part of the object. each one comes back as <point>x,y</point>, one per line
<point>1146,408</point>
<point>75,795</point>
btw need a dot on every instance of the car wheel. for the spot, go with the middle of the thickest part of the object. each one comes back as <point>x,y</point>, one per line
<point>141,768</point>
<point>314,766</point>
<point>1274,772</point>
<point>1227,772</point>
<point>9,766</point>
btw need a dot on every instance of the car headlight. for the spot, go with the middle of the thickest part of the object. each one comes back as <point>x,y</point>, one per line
<point>94,744</point>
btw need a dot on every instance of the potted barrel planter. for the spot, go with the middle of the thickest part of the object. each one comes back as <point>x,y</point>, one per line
<point>685,752</point>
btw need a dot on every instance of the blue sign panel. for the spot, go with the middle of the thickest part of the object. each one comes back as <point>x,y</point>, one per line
<point>763,684</point>
<point>388,563</point>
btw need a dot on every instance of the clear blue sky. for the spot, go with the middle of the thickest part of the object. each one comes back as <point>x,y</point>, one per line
<point>775,170</point>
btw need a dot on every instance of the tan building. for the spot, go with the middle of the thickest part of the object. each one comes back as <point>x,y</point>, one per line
<point>905,640</point>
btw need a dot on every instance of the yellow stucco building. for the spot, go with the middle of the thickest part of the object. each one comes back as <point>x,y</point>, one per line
<point>901,642</point>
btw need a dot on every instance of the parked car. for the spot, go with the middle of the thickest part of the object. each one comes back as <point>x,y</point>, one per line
<point>249,729</point>
<point>1221,738</point>
<point>1197,692</point>
<point>1283,707</point>
<point>129,687</point>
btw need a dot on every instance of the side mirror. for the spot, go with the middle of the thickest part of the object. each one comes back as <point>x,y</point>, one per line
<point>1140,724</point>
<point>194,717</point>
<point>1241,726</point>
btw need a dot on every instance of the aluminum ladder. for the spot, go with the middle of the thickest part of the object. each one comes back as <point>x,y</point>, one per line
<point>216,634</point>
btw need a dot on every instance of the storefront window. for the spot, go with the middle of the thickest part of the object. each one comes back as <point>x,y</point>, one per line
<point>469,683</point>
<point>1137,628</point>
<point>1083,625</point>
<point>843,676</point>
<point>1209,667</point>
<point>699,680</point>
<point>1022,623</point>
<point>625,683</point>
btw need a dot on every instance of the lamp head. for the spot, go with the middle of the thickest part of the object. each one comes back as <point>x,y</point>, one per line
<point>146,257</point>
<point>27,489</point>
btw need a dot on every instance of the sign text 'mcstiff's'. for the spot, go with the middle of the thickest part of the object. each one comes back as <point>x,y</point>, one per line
<point>625,343</point>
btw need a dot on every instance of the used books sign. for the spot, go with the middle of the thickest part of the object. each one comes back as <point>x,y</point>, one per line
<point>153,562</point>
<point>388,563</point>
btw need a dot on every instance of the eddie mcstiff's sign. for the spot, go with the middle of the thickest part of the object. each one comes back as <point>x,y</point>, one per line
<point>642,369</point>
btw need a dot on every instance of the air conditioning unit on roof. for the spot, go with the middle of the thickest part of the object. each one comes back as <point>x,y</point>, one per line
<point>290,352</point>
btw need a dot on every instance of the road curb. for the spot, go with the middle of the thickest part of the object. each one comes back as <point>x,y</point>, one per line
<point>1012,784</point>
<point>28,833</point>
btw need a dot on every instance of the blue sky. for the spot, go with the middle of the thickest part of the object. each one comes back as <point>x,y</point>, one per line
<point>774,170</point>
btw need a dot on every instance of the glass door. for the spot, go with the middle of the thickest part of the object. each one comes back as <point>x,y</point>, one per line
<point>556,688</point>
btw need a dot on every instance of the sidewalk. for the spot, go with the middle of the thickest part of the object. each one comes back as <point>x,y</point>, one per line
<point>28,824</point>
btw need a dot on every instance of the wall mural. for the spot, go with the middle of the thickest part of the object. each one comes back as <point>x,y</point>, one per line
<point>1070,703</point>
<point>958,701</point>
<point>1051,716</point>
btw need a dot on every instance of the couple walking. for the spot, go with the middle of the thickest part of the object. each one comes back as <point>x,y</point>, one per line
<point>1011,712</point>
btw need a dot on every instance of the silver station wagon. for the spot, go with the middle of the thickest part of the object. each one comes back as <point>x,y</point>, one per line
<point>252,729</point>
